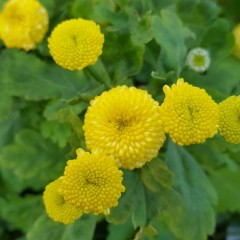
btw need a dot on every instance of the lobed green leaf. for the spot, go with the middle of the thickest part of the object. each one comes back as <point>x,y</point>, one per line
<point>192,198</point>
<point>44,229</point>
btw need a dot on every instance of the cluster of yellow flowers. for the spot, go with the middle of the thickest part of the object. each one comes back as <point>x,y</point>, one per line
<point>91,183</point>
<point>123,127</point>
<point>190,115</point>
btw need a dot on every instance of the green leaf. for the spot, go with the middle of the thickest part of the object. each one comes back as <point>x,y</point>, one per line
<point>57,12</point>
<point>44,229</point>
<point>152,204</point>
<point>5,102</point>
<point>53,108</point>
<point>120,231</point>
<point>129,57</point>
<point>170,34</point>
<point>83,229</point>
<point>230,11</point>
<point>82,8</point>
<point>198,12</point>
<point>122,212</point>
<point>163,231</point>
<point>87,96</point>
<point>8,128</point>
<point>100,74</point>
<point>218,39</point>
<point>163,4</point>
<point>10,183</point>
<point>31,156</point>
<point>139,214</point>
<point>1,4</point>
<point>227,185</point>
<point>157,230</point>
<point>31,113</point>
<point>42,80</point>
<point>68,114</point>
<point>57,132</point>
<point>213,154</point>
<point>132,202</point>
<point>20,212</point>
<point>138,202</point>
<point>140,28</point>
<point>156,173</point>
<point>192,199</point>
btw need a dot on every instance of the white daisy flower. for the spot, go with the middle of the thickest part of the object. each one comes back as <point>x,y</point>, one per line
<point>198,59</point>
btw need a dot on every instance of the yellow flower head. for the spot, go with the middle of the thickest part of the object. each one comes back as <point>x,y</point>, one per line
<point>56,207</point>
<point>236,34</point>
<point>124,123</point>
<point>190,115</point>
<point>75,44</point>
<point>23,23</point>
<point>92,182</point>
<point>229,126</point>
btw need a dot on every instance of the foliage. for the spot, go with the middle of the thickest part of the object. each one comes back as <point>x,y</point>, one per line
<point>181,194</point>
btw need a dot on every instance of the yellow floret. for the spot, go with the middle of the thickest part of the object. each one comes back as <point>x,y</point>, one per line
<point>190,115</point>
<point>56,207</point>
<point>124,123</point>
<point>230,119</point>
<point>75,44</point>
<point>23,23</point>
<point>92,182</point>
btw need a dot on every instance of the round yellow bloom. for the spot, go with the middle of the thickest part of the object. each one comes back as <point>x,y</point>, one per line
<point>236,34</point>
<point>229,126</point>
<point>92,182</point>
<point>190,115</point>
<point>23,23</point>
<point>75,44</point>
<point>56,207</point>
<point>124,123</point>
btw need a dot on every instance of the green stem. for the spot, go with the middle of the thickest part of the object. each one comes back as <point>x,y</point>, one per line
<point>91,71</point>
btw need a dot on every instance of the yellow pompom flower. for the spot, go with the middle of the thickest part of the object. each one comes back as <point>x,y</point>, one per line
<point>229,125</point>
<point>124,123</point>
<point>75,44</point>
<point>23,23</point>
<point>56,207</point>
<point>92,182</point>
<point>236,34</point>
<point>190,115</point>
